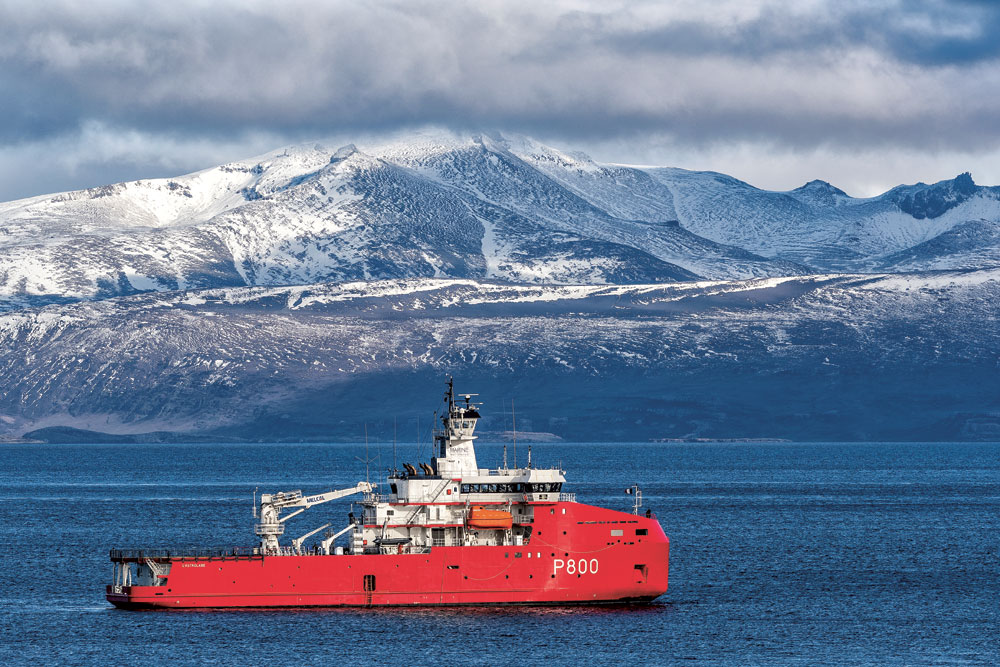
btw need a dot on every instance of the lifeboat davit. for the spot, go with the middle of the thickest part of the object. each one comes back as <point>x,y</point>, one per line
<point>481,517</point>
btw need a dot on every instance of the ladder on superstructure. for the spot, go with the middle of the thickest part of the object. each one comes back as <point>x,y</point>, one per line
<point>444,485</point>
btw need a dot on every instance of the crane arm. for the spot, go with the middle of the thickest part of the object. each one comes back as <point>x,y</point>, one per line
<point>272,524</point>
<point>331,538</point>
<point>297,542</point>
<point>296,499</point>
<point>309,501</point>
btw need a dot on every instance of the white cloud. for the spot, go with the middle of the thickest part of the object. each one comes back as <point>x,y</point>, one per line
<point>99,154</point>
<point>186,82</point>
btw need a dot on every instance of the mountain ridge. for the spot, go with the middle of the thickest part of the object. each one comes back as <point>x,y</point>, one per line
<point>484,206</point>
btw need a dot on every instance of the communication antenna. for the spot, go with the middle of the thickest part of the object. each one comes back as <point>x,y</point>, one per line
<point>394,444</point>
<point>513,425</point>
<point>430,446</point>
<point>378,445</point>
<point>505,441</point>
<point>367,461</point>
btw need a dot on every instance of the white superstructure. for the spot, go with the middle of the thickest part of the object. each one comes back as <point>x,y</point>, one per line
<point>450,501</point>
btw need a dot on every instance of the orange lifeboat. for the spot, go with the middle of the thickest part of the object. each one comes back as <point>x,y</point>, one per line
<point>480,517</point>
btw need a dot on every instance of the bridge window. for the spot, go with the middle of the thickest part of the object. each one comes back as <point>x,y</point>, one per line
<point>517,487</point>
<point>543,487</point>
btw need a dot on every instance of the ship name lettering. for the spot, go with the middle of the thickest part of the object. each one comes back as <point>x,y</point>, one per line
<point>571,566</point>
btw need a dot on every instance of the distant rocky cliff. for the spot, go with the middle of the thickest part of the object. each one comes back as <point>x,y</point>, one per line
<point>836,357</point>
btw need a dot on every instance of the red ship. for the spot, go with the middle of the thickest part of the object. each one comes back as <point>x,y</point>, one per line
<point>448,533</point>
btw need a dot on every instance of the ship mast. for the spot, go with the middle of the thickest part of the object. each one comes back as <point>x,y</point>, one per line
<point>513,425</point>
<point>456,452</point>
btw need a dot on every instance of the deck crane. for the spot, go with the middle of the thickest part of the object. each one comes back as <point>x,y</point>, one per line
<point>272,524</point>
<point>297,542</point>
<point>329,539</point>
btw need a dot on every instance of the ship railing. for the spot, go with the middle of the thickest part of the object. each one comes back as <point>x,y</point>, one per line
<point>567,497</point>
<point>269,529</point>
<point>290,551</point>
<point>180,553</point>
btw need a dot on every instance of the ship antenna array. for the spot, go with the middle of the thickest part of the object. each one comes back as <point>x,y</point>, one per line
<point>505,439</point>
<point>434,425</point>
<point>367,460</point>
<point>513,426</point>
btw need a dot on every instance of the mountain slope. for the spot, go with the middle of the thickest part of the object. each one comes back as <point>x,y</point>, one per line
<point>484,206</point>
<point>967,245</point>
<point>818,224</point>
<point>475,206</point>
<point>549,191</point>
<point>818,357</point>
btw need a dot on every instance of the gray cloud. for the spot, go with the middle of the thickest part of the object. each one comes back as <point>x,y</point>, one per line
<point>918,77</point>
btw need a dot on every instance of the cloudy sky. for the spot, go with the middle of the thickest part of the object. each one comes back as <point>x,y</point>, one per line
<point>863,94</point>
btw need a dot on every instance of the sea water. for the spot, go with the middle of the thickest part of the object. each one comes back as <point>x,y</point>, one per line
<point>824,553</point>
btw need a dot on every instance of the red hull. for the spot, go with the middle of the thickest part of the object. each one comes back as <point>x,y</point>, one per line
<point>578,554</point>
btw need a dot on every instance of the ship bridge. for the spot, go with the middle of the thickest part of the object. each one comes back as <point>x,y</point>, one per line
<point>454,440</point>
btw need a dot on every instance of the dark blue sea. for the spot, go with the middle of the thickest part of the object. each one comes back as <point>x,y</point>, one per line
<point>781,554</point>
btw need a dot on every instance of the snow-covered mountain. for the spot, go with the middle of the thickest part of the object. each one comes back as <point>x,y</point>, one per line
<point>283,295</point>
<point>481,206</point>
<point>823,357</point>
<point>819,225</point>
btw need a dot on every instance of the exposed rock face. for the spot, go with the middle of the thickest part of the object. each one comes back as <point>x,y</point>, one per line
<point>834,357</point>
